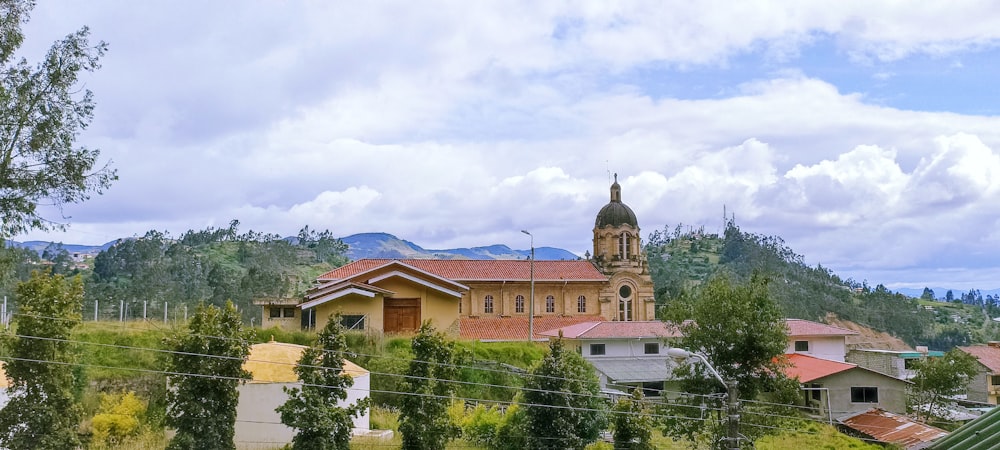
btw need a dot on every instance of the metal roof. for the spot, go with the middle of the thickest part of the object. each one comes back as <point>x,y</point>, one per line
<point>893,428</point>
<point>980,434</point>
<point>630,370</point>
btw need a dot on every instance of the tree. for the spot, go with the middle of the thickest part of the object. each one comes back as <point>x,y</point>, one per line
<point>937,379</point>
<point>313,409</point>
<point>43,110</point>
<point>632,423</point>
<point>42,412</point>
<point>208,367</point>
<point>928,294</point>
<point>563,405</point>
<point>741,331</point>
<point>424,422</point>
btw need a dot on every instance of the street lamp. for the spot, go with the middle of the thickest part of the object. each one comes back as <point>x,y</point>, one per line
<point>733,427</point>
<point>531,301</point>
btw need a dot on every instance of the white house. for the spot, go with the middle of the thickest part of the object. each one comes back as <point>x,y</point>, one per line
<point>625,354</point>
<point>817,339</point>
<point>271,366</point>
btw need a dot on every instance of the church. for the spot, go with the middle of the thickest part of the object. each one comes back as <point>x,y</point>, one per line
<point>487,299</point>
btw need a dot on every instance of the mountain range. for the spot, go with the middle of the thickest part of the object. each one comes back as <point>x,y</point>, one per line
<point>372,245</point>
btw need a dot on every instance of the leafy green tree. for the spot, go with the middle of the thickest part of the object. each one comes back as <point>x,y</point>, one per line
<point>42,411</point>
<point>928,294</point>
<point>424,422</point>
<point>313,409</point>
<point>208,362</point>
<point>937,379</point>
<point>44,109</point>
<point>562,401</point>
<point>632,423</point>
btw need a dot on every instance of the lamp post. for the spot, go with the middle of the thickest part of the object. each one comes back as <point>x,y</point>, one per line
<point>732,398</point>
<point>531,299</point>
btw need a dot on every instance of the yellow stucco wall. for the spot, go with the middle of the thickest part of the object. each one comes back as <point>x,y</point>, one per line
<point>440,308</point>
<point>504,295</point>
<point>352,304</point>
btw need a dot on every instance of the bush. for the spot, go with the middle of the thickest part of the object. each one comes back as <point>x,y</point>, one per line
<point>118,418</point>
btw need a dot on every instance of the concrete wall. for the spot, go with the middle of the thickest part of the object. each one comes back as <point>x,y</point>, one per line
<point>258,425</point>
<point>978,390</point>
<point>825,347</point>
<point>891,391</point>
<point>620,347</point>
<point>883,362</point>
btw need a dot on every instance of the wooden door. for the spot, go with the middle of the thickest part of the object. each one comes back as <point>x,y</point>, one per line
<point>401,315</point>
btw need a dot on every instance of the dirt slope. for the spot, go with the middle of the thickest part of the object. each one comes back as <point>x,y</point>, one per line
<point>867,337</point>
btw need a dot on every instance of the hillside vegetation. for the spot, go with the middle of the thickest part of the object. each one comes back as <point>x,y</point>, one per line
<point>680,260</point>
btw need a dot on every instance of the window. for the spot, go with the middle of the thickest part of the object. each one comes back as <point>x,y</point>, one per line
<point>802,346</point>
<point>550,304</point>
<point>624,242</point>
<point>519,304</point>
<point>353,321</point>
<point>287,312</point>
<point>274,312</point>
<point>624,304</point>
<point>596,349</point>
<point>460,306</point>
<point>652,388</point>
<point>488,304</point>
<point>652,348</point>
<point>864,395</point>
<point>581,304</point>
<point>995,380</point>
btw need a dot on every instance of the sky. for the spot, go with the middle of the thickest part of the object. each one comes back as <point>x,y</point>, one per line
<point>865,134</point>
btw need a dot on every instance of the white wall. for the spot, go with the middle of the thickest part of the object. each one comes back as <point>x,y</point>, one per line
<point>617,348</point>
<point>826,347</point>
<point>257,422</point>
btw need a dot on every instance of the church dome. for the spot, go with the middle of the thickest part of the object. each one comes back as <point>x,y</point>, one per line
<point>616,213</point>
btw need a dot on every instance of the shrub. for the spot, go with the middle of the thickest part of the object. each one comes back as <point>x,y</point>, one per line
<point>118,418</point>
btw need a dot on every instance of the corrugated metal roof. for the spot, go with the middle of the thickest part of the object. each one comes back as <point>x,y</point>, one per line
<point>980,434</point>
<point>616,329</point>
<point>631,370</point>
<point>800,327</point>
<point>988,356</point>
<point>480,270</point>
<point>894,428</point>
<point>274,362</point>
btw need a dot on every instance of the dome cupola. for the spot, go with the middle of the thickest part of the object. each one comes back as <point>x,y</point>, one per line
<point>616,213</point>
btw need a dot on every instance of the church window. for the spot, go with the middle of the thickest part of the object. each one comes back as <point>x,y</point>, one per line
<point>519,304</point>
<point>581,304</point>
<point>488,304</point>
<point>550,304</point>
<point>624,245</point>
<point>625,303</point>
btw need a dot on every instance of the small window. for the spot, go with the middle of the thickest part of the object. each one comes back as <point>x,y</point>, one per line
<point>864,395</point>
<point>802,346</point>
<point>596,349</point>
<point>287,312</point>
<point>460,306</point>
<point>274,312</point>
<point>353,321</point>
<point>550,304</point>
<point>519,304</point>
<point>581,304</point>
<point>652,348</point>
<point>488,304</point>
<point>995,380</point>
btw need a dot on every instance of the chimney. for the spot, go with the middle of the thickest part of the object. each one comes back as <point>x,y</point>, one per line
<point>922,349</point>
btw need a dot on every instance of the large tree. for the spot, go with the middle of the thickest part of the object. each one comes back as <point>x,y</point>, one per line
<point>562,401</point>
<point>632,423</point>
<point>314,408</point>
<point>938,379</point>
<point>207,367</point>
<point>43,109</point>
<point>42,412</point>
<point>424,421</point>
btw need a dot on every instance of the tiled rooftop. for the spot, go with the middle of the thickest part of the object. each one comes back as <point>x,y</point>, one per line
<point>513,328</point>
<point>799,327</point>
<point>988,355</point>
<point>808,368</point>
<point>481,270</point>
<point>612,330</point>
<point>894,428</point>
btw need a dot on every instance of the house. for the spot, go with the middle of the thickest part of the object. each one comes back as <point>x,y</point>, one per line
<point>890,428</point>
<point>396,295</point>
<point>981,433</point>
<point>894,363</point>
<point>626,355</point>
<point>271,367</point>
<point>985,386</point>
<point>817,339</point>
<point>835,388</point>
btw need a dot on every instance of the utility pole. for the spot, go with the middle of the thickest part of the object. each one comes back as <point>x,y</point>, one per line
<point>733,418</point>
<point>531,301</point>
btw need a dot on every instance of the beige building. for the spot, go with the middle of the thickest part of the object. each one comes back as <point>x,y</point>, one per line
<point>396,295</point>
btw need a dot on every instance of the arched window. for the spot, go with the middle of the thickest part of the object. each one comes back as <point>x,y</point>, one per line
<point>488,304</point>
<point>519,304</point>
<point>624,245</point>
<point>625,303</point>
<point>550,304</point>
<point>581,304</point>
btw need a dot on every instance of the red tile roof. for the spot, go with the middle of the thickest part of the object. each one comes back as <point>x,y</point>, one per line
<point>799,327</point>
<point>616,329</point>
<point>987,355</point>
<point>893,428</point>
<point>513,328</point>
<point>481,270</point>
<point>808,368</point>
